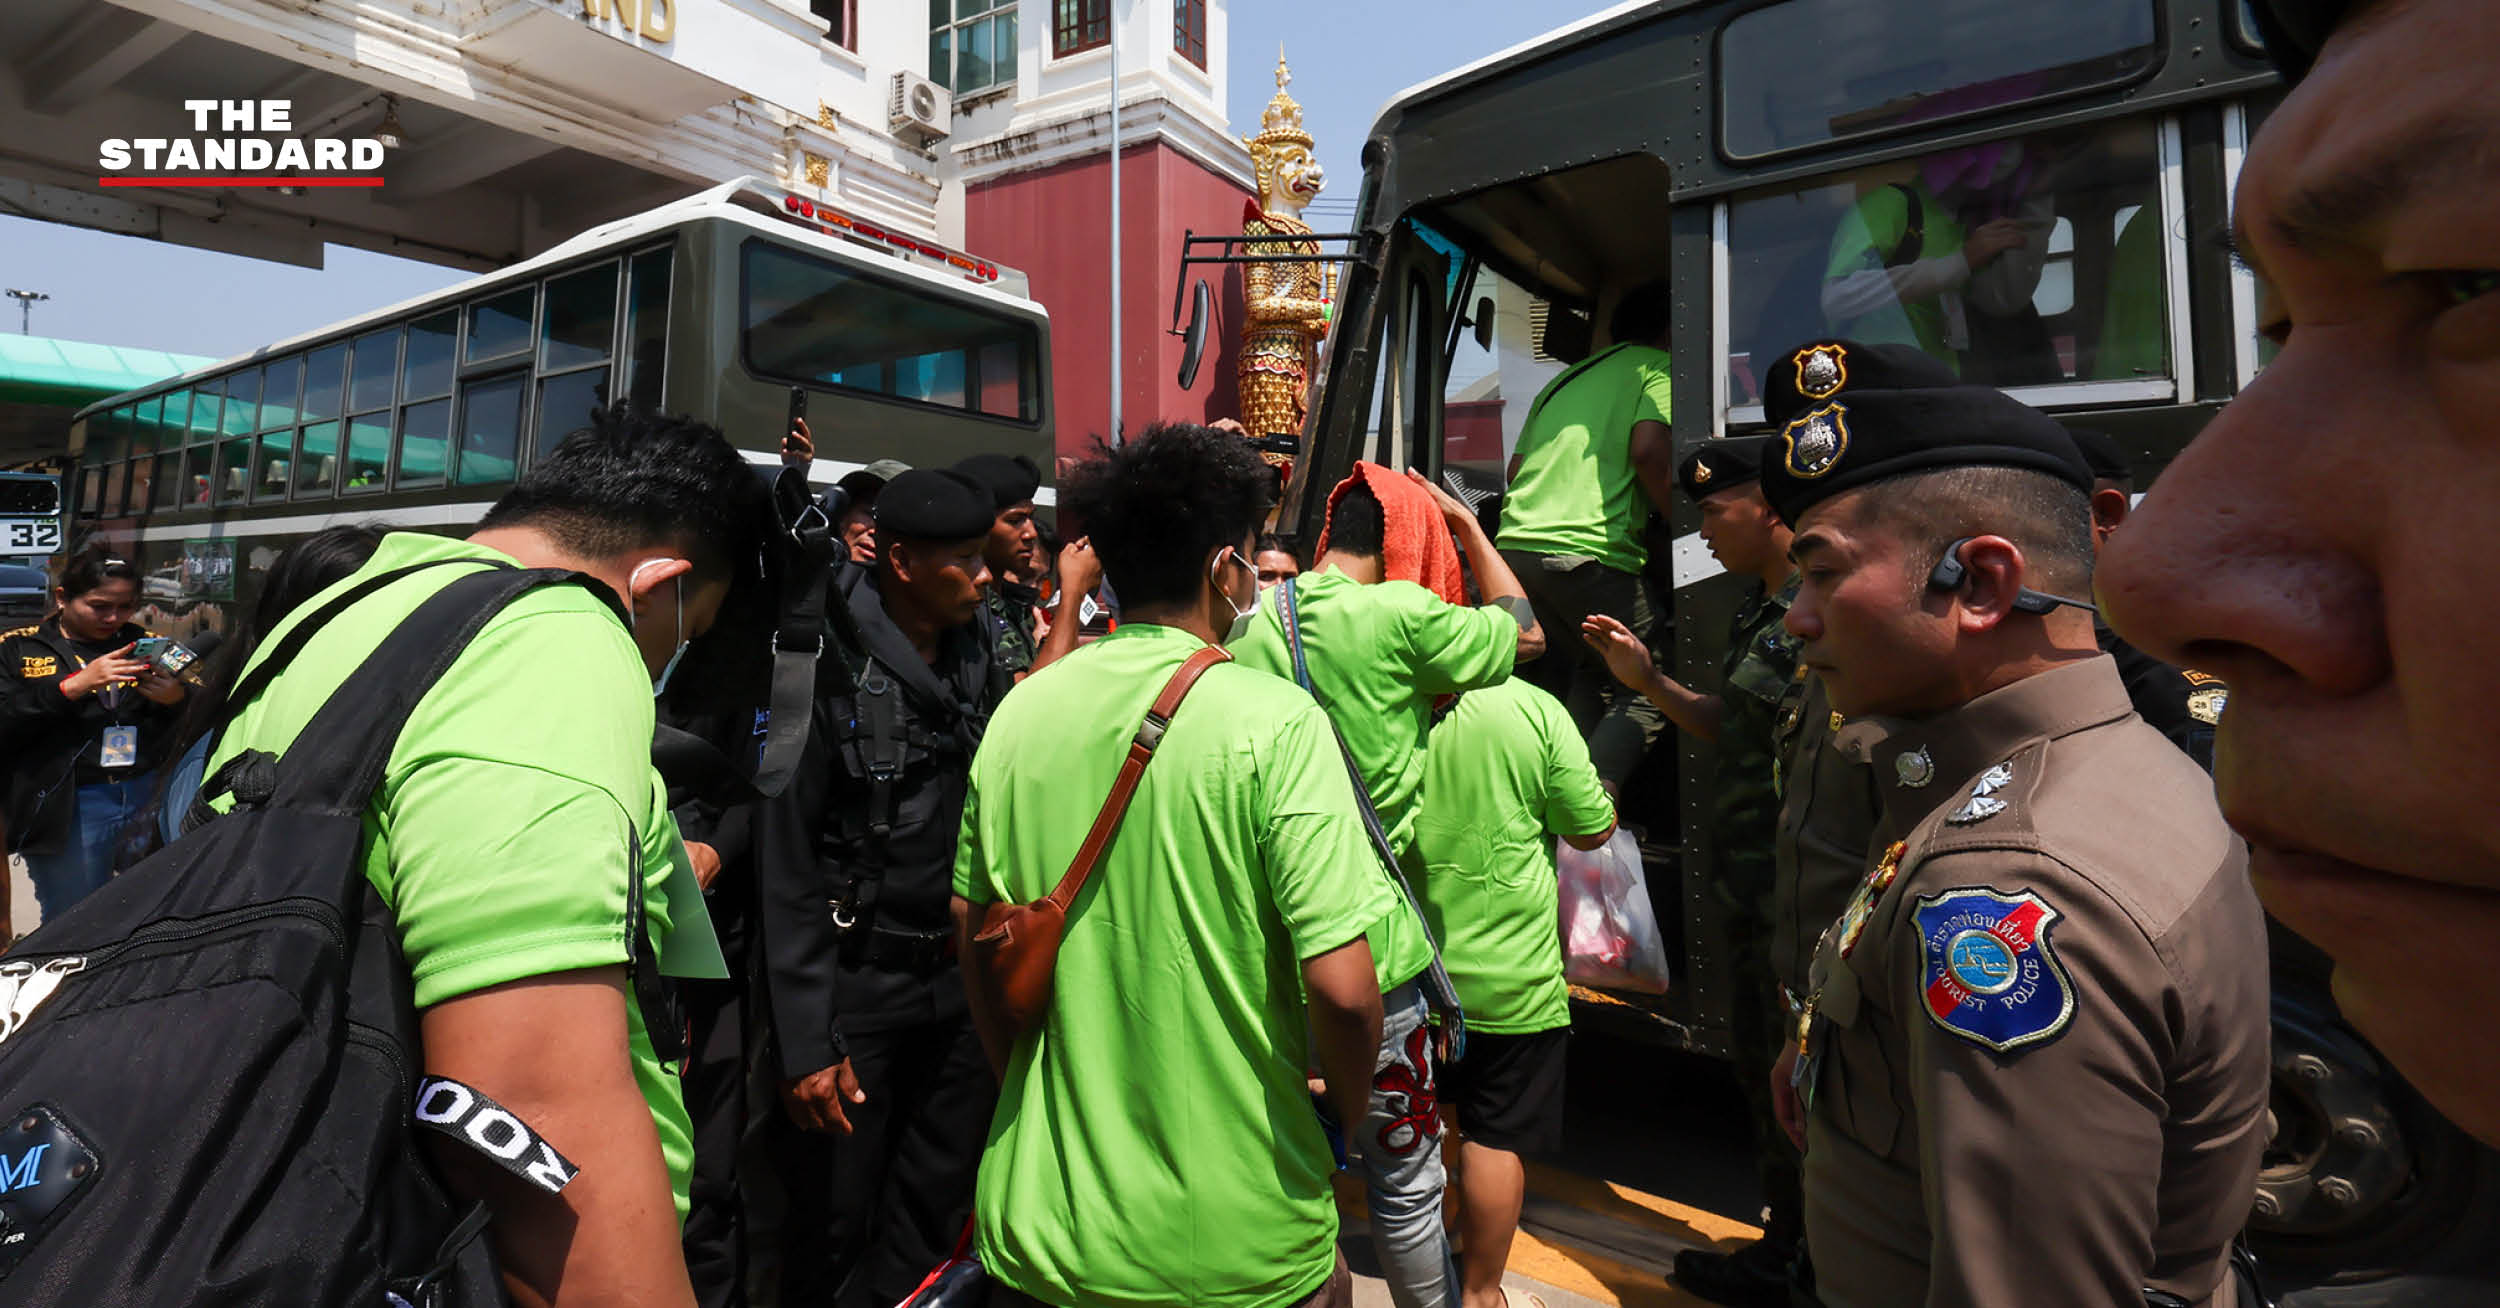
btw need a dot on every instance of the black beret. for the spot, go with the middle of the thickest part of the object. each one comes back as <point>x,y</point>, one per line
<point>2295,30</point>
<point>934,504</point>
<point>1848,414</point>
<point>2102,455</point>
<point>1715,465</point>
<point>1009,478</point>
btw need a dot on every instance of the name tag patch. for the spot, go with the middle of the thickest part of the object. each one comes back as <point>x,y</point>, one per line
<point>1990,976</point>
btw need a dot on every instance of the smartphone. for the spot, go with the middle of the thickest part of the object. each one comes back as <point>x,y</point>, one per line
<point>798,403</point>
<point>150,648</point>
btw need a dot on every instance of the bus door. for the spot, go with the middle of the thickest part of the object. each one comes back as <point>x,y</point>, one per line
<point>1382,399</point>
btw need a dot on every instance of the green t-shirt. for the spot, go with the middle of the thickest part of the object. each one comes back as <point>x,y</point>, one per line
<point>2135,318</point>
<point>499,834</point>
<point>1378,657</point>
<point>1575,493</point>
<point>1869,236</point>
<point>1154,1142</point>
<point>1506,773</point>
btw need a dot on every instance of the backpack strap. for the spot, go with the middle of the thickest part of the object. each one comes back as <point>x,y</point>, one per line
<point>1440,993</point>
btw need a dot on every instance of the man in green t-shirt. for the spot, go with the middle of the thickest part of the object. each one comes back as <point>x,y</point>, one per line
<point>1378,652</point>
<point>1154,1142</point>
<point>517,804</point>
<point>1594,457</point>
<point>1948,259</point>
<point>1506,770</point>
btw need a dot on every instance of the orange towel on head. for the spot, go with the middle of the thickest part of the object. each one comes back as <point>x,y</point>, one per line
<point>1415,543</point>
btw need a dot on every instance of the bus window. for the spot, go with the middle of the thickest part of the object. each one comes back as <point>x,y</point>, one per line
<point>1805,72</point>
<point>371,369</point>
<point>142,484</point>
<point>142,424</point>
<point>1487,391</point>
<point>2025,262</point>
<point>325,373</point>
<point>234,470</point>
<point>646,327</point>
<point>206,399</point>
<point>274,466</point>
<point>564,405</point>
<point>242,402</point>
<point>317,461</point>
<point>173,425</point>
<point>167,481</point>
<point>501,326</point>
<point>490,429</point>
<point>423,429</point>
<point>815,321</point>
<point>425,364</point>
<point>281,389</point>
<point>368,452</point>
<point>580,324</point>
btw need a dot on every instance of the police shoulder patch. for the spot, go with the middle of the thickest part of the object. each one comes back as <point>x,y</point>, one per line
<point>1988,973</point>
<point>21,631</point>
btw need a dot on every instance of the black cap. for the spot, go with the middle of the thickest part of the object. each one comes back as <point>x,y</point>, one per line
<point>934,504</point>
<point>2295,30</point>
<point>2101,454</point>
<point>1849,414</point>
<point>1715,465</point>
<point>1009,478</point>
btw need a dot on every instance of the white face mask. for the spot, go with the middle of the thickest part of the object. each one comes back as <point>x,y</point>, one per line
<point>669,669</point>
<point>1243,614</point>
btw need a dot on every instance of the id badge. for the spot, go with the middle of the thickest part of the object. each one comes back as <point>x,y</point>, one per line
<point>120,748</point>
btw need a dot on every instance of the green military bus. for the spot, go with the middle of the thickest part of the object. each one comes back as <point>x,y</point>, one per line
<point>420,415</point>
<point>1784,165</point>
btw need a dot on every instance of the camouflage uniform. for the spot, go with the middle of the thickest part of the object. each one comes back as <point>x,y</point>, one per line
<point>1007,609</point>
<point>1761,668</point>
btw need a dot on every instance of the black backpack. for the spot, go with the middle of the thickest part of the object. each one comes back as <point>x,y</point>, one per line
<point>209,1069</point>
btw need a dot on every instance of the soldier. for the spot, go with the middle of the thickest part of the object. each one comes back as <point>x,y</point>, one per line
<point>1723,477</point>
<point>2181,704</point>
<point>2325,541</point>
<point>2033,1059</point>
<point>854,864</point>
<point>1007,603</point>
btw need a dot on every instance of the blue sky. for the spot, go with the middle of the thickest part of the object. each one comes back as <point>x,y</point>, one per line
<point>1347,58</point>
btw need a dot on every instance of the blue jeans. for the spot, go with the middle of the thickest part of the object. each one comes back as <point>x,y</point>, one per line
<point>85,862</point>
<point>1399,1149</point>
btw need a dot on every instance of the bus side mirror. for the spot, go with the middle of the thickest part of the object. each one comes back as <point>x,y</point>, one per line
<point>1484,324</point>
<point>1194,336</point>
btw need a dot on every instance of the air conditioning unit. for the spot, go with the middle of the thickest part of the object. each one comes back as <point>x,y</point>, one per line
<point>920,110</point>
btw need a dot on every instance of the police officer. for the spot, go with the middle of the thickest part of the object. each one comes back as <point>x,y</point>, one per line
<point>1007,605</point>
<point>1723,479</point>
<point>877,1056</point>
<point>2033,1064</point>
<point>2182,704</point>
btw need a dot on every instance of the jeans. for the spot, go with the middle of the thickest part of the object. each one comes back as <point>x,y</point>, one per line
<point>1564,590</point>
<point>1399,1149</point>
<point>85,862</point>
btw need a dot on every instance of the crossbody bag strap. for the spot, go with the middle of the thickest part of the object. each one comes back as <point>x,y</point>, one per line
<point>1440,993</point>
<point>1140,749</point>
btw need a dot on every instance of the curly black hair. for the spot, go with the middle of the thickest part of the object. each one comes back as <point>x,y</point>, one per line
<point>634,478</point>
<point>1157,505</point>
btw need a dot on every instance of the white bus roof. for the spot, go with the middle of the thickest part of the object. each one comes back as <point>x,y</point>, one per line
<point>747,201</point>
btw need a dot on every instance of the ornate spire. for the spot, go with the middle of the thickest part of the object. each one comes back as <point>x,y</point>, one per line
<point>1281,124</point>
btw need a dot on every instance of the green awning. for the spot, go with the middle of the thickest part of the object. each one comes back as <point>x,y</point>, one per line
<point>75,374</point>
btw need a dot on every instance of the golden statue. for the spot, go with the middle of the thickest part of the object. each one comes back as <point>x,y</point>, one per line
<point>1287,302</point>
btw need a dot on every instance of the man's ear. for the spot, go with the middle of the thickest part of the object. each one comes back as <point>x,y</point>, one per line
<point>651,577</point>
<point>898,556</point>
<point>2110,506</point>
<point>1994,572</point>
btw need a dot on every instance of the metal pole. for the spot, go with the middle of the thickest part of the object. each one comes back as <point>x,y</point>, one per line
<point>1112,16</point>
<point>26,309</point>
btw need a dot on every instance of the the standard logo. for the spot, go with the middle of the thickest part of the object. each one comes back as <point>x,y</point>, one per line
<point>1990,975</point>
<point>247,143</point>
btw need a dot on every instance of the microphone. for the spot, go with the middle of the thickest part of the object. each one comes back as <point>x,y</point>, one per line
<point>185,662</point>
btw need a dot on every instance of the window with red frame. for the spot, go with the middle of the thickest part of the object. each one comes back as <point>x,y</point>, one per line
<point>1189,30</point>
<point>1079,25</point>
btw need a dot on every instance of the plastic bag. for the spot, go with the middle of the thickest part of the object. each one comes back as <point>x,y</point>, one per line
<point>1610,932</point>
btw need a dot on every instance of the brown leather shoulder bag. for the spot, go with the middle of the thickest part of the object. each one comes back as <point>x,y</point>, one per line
<point>1007,971</point>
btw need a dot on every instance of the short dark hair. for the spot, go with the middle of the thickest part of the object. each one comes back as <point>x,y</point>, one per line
<point>634,478</point>
<point>94,566</point>
<point>1158,504</point>
<point>1270,542</point>
<point>1356,524</point>
<point>2047,516</point>
<point>1642,314</point>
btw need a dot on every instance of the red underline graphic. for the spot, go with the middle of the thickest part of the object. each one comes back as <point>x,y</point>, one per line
<point>255,180</point>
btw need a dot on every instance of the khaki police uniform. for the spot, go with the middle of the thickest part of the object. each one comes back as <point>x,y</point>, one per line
<point>2036,1047</point>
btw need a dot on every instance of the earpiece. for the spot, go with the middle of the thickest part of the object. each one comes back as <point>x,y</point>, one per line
<point>1949,574</point>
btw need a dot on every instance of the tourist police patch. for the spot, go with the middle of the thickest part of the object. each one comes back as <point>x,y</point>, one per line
<point>1816,440</point>
<point>1989,975</point>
